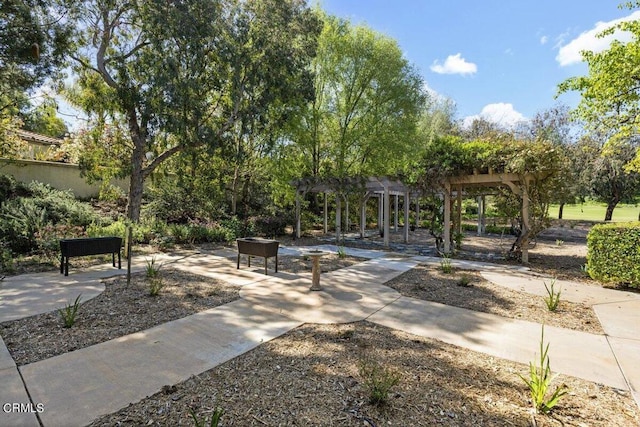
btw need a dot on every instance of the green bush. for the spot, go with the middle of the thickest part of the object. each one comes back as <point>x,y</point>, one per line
<point>268,226</point>
<point>6,258</point>
<point>61,206</point>
<point>10,188</point>
<point>20,220</point>
<point>142,233</point>
<point>613,253</point>
<point>235,228</point>
<point>34,217</point>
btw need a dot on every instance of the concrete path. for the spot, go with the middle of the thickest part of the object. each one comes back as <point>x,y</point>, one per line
<point>77,387</point>
<point>617,311</point>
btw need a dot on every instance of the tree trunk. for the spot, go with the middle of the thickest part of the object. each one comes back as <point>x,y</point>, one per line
<point>234,191</point>
<point>560,210</point>
<point>136,186</point>
<point>138,174</point>
<point>610,207</point>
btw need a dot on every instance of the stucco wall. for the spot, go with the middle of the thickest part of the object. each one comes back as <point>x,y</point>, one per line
<point>63,176</point>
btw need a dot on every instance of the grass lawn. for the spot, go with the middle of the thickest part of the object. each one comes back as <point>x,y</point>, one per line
<point>595,212</point>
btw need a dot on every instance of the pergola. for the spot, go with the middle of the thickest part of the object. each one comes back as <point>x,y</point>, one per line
<point>381,187</point>
<point>519,185</point>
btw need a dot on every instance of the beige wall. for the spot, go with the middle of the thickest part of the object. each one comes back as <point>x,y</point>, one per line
<point>63,176</point>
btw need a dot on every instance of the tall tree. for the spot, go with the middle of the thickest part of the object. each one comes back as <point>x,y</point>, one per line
<point>554,126</point>
<point>182,74</point>
<point>610,103</point>
<point>368,100</point>
<point>608,180</point>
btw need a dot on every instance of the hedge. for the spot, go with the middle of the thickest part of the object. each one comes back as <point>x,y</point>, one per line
<point>613,253</point>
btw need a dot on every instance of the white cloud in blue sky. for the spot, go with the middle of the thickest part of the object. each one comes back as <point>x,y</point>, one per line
<point>454,64</point>
<point>570,53</point>
<point>501,113</point>
<point>544,39</point>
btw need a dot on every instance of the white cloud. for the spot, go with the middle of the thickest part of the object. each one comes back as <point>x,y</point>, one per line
<point>433,94</point>
<point>501,113</point>
<point>454,64</point>
<point>544,40</point>
<point>588,40</point>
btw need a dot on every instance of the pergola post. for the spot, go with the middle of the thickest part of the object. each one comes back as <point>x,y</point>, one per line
<point>380,213</point>
<point>417,211</point>
<point>338,218</point>
<point>447,218</point>
<point>459,210</point>
<point>525,222</point>
<point>346,215</point>
<point>363,214</point>
<point>481,213</point>
<point>298,222</point>
<point>395,213</point>
<point>386,220</point>
<point>407,205</point>
<point>326,213</point>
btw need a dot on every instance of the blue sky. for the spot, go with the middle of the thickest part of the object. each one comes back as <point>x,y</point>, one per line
<point>501,59</point>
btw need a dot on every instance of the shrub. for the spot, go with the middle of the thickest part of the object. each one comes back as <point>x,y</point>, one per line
<point>48,238</point>
<point>6,258</point>
<point>20,220</point>
<point>613,253</point>
<point>61,206</point>
<point>179,232</point>
<point>378,379</point>
<point>32,218</point>
<point>464,281</point>
<point>268,226</point>
<point>445,265</point>
<point>234,228</point>
<point>155,286</point>
<point>142,233</point>
<point>10,188</point>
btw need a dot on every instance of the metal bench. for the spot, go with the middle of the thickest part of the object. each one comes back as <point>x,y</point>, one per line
<point>252,246</point>
<point>88,246</point>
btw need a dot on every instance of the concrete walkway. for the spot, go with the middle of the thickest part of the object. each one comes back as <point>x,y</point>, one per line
<point>77,387</point>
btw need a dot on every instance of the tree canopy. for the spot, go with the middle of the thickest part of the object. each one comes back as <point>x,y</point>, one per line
<point>367,102</point>
<point>180,75</point>
<point>610,103</point>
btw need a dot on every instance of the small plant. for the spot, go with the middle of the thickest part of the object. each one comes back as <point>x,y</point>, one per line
<point>553,298</point>
<point>584,269</point>
<point>540,379</point>
<point>378,380</point>
<point>464,280</point>
<point>457,238</point>
<point>155,286</point>
<point>559,242</point>
<point>445,265</point>
<point>342,254</point>
<point>202,422</point>
<point>69,312</point>
<point>152,271</point>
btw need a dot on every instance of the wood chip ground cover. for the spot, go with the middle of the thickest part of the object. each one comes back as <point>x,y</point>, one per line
<point>310,377</point>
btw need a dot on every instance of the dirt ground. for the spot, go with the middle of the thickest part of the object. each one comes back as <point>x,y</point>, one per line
<point>315,375</point>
